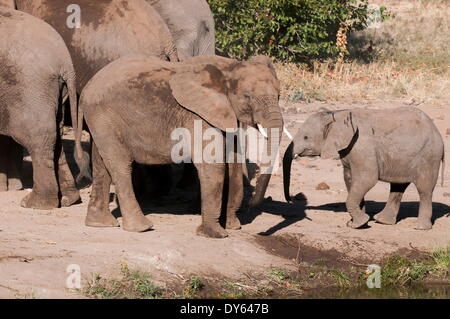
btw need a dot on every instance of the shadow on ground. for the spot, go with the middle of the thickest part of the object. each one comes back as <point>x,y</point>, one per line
<point>407,209</point>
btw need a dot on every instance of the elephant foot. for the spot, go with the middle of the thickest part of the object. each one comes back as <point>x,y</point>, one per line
<point>233,223</point>
<point>103,219</point>
<point>3,187</point>
<point>136,223</point>
<point>358,221</point>
<point>423,225</point>
<point>70,198</point>
<point>32,200</point>
<point>386,218</point>
<point>211,231</point>
<point>14,184</point>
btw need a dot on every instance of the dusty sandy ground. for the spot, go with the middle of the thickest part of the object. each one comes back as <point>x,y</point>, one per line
<point>36,247</point>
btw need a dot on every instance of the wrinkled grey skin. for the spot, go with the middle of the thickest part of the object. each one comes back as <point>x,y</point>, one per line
<point>191,24</point>
<point>399,146</point>
<point>217,90</point>
<point>109,30</point>
<point>36,76</point>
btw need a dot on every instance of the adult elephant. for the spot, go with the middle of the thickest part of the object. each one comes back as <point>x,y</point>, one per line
<point>218,90</point>
<point>36,76</point>
<point>191,24</point>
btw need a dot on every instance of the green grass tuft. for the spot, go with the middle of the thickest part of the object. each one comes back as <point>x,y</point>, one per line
<point>132,285</point>
<point>193,286</point>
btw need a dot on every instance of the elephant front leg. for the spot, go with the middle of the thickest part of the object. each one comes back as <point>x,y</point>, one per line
<point>235,195</point>
<point>98,214</point>
<point>388,215</point>
<point>69,192</point>
<point>45,188</point>
<point>360,185</point>
<point>348,185</point>
<point>212,178</point>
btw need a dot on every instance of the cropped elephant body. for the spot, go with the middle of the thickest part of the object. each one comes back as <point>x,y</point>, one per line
<point>164,97</point>
<point>36,76</point>
<point>109,30</point>
<point>399,146</point>
<point>191,24</point>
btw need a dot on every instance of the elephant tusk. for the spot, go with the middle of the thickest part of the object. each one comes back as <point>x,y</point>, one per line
<point>261,130</point>
<point>287,133</point>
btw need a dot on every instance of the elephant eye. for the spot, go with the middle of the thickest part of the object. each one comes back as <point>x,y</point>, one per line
<point>305,137</point>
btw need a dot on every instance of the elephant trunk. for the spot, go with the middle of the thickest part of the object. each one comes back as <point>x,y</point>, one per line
<point>287,163</point>
<point>274,129</point>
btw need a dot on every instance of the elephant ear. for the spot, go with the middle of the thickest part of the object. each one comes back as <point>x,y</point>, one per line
<point>338,135</point>
<point>202,89</point>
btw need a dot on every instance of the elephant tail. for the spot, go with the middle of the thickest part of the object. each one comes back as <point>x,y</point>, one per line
<point>443,169</point>
<point>83,161</point>
<point>81,157</point>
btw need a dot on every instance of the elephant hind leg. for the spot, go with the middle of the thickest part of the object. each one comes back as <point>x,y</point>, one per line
<point>388,215</point>
<point>4,153</point>
<point>425,186</point>
<point>98,214</point>
<point>69,192</point>
<point>45,188</point>
<point>14,167</point>
<point>119,166</point>
<point>11,158</point>
<point>68,189</point>
<point>425,210</point>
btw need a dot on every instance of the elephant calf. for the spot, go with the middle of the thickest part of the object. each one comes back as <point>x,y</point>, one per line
<point>36,76</point>
<point>145,99</point>
<point>399,146</point>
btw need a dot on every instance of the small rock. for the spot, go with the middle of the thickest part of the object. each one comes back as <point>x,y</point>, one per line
<point>322,186</point>
<point>446,194</point>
